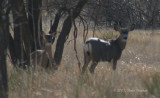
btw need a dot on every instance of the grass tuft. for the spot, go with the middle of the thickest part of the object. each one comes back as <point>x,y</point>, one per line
<point>152,84</point>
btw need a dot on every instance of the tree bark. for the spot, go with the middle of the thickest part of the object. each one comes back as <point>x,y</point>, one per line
<point>53,29</point>
<point>17,10</point>
<point>4,30</point>
<point>12,50</point>
<point>22,36</point>
<point>35,21</point>
<point>65,32</point>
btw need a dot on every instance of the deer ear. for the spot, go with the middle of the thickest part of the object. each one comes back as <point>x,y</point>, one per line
<point>116,27</point>
<point>132,27</point>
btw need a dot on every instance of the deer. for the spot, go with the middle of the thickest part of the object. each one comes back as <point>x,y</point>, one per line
<point>43,57</point>
<point>97,50</point>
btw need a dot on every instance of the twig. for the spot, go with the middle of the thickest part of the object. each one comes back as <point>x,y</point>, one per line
<point>84,30</point>
<point>75,49</point>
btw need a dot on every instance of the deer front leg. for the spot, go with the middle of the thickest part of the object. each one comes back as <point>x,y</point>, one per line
<point>114,64</point>
<point>93,66</point>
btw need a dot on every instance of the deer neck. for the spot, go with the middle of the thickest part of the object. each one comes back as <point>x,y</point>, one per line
<point>121,43</point>
<point>48,49</point>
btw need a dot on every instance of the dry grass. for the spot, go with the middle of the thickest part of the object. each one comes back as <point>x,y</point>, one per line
<point>139,61</point>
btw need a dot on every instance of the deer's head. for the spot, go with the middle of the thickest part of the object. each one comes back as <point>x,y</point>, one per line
<point>124,31</point>
<point>48,38</point>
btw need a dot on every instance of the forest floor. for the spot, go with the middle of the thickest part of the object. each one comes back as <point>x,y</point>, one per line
<point>137,74</point>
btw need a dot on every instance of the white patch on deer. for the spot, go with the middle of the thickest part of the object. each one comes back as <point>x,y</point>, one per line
<point>101,40</point>
<point>88,48</point>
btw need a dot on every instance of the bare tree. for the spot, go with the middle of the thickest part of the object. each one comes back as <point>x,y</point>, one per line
<point>3,48</point>
<point>124,11</point>
<point>34,19</point>
<point>26,27</point>
<point>66,30</point>
<point>4,31</point>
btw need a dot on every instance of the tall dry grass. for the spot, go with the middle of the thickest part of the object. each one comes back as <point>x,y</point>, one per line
<point>138,64</point>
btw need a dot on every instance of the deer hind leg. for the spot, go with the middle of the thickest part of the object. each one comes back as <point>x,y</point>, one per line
<point>110,63</point>
<point>93,66</point>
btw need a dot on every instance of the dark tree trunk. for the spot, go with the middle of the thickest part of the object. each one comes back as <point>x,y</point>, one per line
<point>4,30</point>
<point>12,50</point>
<point>35,21</point>
<point>65,32</point>
<point>61,40</point>
<point>18,43</point>
<point>22,36</point>
<point>53,29</point>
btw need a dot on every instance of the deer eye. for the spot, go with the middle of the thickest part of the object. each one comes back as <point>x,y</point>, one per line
<point>124,32</point>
